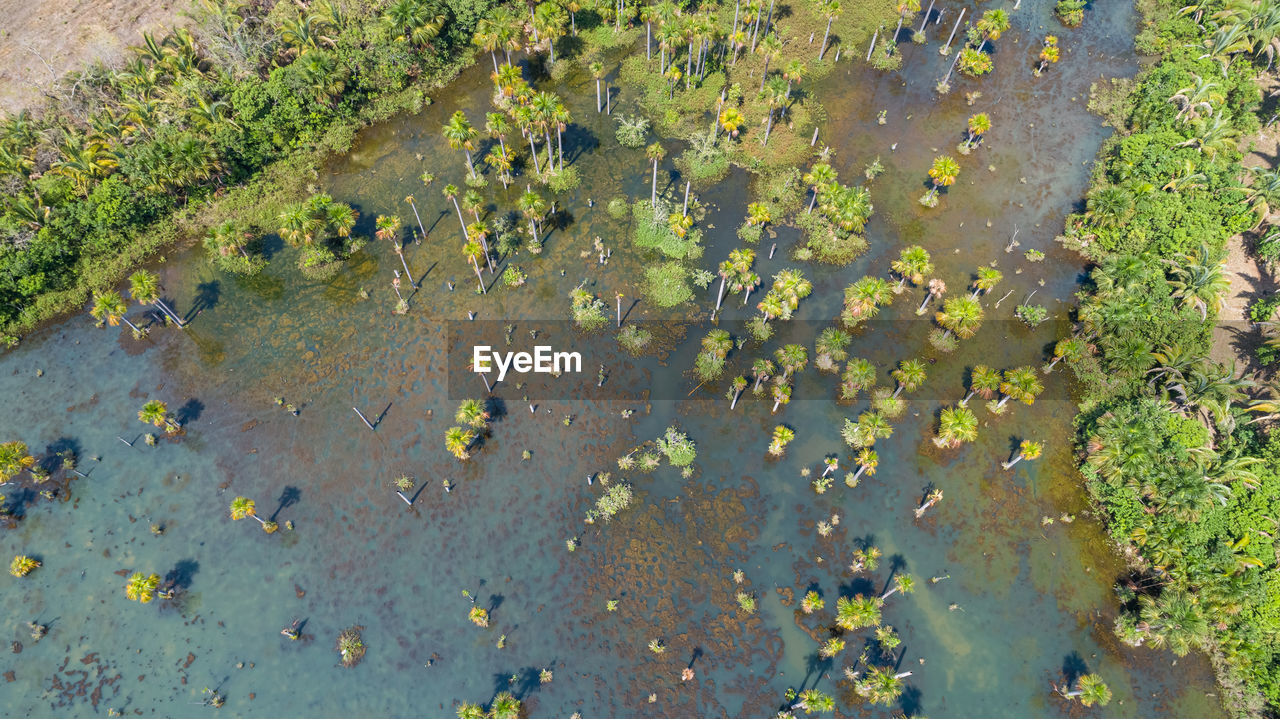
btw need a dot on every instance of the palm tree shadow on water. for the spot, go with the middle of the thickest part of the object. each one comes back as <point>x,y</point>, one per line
<point>1073,667</point>
<point>289,497</point>
<point>189,412</point>
<point>526,681</point>
<point>182,574</point>
<point>207,295</point>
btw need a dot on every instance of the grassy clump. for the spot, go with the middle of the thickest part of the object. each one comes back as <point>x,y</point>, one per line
<point>652,232</point>
<point>667,284</point>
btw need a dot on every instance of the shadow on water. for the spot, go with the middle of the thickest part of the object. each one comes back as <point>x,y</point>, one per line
<point>189,412</point>
<point>52,460</point>
<point>206,298</point>
<point>1073,667</point>
<point>288,498</point>
<point>911,701</point>
<point>182,574</point>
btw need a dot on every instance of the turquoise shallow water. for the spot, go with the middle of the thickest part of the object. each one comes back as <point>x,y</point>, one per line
<point>1025,601</point>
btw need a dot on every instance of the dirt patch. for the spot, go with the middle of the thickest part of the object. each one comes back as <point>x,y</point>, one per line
<point>1236,339</point>
<point>42,39</point>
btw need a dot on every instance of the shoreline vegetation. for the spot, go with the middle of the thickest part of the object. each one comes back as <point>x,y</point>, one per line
<point>1173,446</point>
<point>207,133</point>
<point>210,126</point>
<point>211,134</point>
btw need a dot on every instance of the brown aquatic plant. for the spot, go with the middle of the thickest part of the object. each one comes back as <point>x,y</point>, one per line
<point>351,646</point>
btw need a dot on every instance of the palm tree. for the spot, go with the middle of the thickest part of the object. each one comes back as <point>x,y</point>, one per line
<point>819,177</point>
<point>1174,620</point>
<point>864,433</point>
<point>781,392</point>
<point>909,375</point>
<point>487,38</point>
<point>858,612</point>
<point>297,224</point>
<point>1109,206</point>
<point>956,426</point>
<point>769,48</point>
<point>500,160</point>
<point>467,710</point>
<point>1048,53</point>
<point>1020,383</point>
<point>505,706</point>
<point>655,152</point>
<point>983,381</point>
<point>1089,689</point>
<point>1212,135</point>
<point>977,125</point>
<point>508,27</point>
<point>14,458</point>
<point>1198,280</point>
<point>533,207</point>
<point>110,307</point>
<point>157,413</point>
<point>758,214</point>
<point>936,289</point>
<point>829,348</point>
<point>1027,450</point>
<point>912,265</point>
<point>904,583</point>
<point>791,358</point>
<point>549,19</point>
<point>1198,99</point>
<point>782,436</point>
<point>992,25</point>
<point>461,135</point>
<point>472,251</point>
<point>458,441</point>
<point>943,173</point>
<point>868,461</point>
<point>906,9</point>
<point>775,96</point>
<point>880,685</point>
<point>144,286</point>
<point>987,279</point>
<point>863,299</point>
<point>472,413</point>
<point>762,369</point>
<point>597,71</point>
<point>736,388</point>
<point>23,565</point>
<point>242,507</point>
<point>865,560</point>
<point>1072,349</point>
<point>830,8</point>
<point>413,21</point>
<point>142,587</point>
<point>962,315</point>
<point>933,497</point>
<point>732,120</point>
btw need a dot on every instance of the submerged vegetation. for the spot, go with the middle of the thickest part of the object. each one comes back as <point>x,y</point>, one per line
<point>1177,450</point>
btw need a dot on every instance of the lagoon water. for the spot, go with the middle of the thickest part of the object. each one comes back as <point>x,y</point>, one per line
<point>1023,601</point>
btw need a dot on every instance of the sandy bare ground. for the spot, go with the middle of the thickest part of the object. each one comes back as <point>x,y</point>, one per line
<point>42,39</point>
<point>1236,340</point>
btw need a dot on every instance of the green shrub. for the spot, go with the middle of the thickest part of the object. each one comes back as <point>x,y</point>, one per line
<point>632,131</point>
